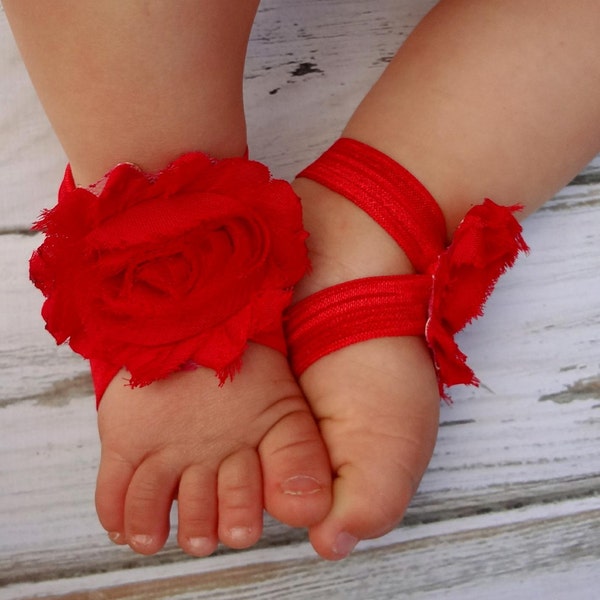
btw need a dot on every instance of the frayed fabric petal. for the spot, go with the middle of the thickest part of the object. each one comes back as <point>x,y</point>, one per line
<point>161,272</point>
<point>485,244</point>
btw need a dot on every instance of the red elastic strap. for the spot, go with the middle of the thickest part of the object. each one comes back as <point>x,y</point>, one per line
<point>356,311</point>
<point>388,193</point>
<point>371,307</point>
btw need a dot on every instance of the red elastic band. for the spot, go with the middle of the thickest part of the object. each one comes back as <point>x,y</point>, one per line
<point>388,193</point>
<point>353,312</point>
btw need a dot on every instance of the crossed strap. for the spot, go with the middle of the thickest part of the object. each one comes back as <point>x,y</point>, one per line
<point>450,285</point>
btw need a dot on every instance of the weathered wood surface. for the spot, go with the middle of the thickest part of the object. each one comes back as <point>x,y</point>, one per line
<point>510,506</point>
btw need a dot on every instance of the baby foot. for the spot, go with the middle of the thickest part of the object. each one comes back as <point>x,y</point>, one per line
<point>220,451</point>
<point>377,401</point>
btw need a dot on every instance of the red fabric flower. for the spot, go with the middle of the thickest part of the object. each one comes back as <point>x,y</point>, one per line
<point>484,246</point>
<point>160,272</point>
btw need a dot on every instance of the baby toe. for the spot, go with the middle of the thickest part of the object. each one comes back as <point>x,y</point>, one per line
<point>114,476</point>
<point>197,511</point>
<point>296,470</point>
<point>240,499</point>
<point>365,507</point>
<point>148,505</point>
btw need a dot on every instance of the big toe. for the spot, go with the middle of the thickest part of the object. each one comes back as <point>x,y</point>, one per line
<point>296,468</point>
<point>379,421</point>
<point>148,504</point>
<point>369,502</point>
<point>240,499</point>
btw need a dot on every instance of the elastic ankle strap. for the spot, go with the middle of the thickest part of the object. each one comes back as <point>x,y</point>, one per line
<point>355,311</point>
<point>388,193</point>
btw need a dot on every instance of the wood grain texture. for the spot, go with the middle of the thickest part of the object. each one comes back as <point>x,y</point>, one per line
<point>510,504</point>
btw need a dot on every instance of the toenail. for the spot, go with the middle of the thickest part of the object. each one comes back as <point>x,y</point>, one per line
<point>141,540</point>
<point>116,537</point>
<point>200,545</point>
<point>344,544</point>
<point>240,534</point>
<point>301,485</point>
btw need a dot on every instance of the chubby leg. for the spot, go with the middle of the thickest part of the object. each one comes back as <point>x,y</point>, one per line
<point>145,82</point>
<point>486,99</point>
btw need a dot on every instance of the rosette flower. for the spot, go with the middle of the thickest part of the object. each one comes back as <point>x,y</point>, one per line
<point>485,244</point>
<point>162,272</point>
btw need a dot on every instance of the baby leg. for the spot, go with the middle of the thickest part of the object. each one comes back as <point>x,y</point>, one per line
<point>495,100</point>
<point>145,82</point>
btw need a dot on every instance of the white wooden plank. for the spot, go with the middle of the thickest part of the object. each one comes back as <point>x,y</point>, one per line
<point>524,552</point>
<point>346,44</point>
<point>30,363</point>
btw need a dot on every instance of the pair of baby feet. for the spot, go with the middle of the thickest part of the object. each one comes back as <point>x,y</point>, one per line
<point>340,452</point>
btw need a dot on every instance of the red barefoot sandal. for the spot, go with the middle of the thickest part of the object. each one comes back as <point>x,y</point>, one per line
<point>451,283</point>
<point>158,273</point>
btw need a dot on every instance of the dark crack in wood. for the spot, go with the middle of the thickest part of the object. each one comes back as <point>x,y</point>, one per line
<point>60,393</point>
<point>584,389</point>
